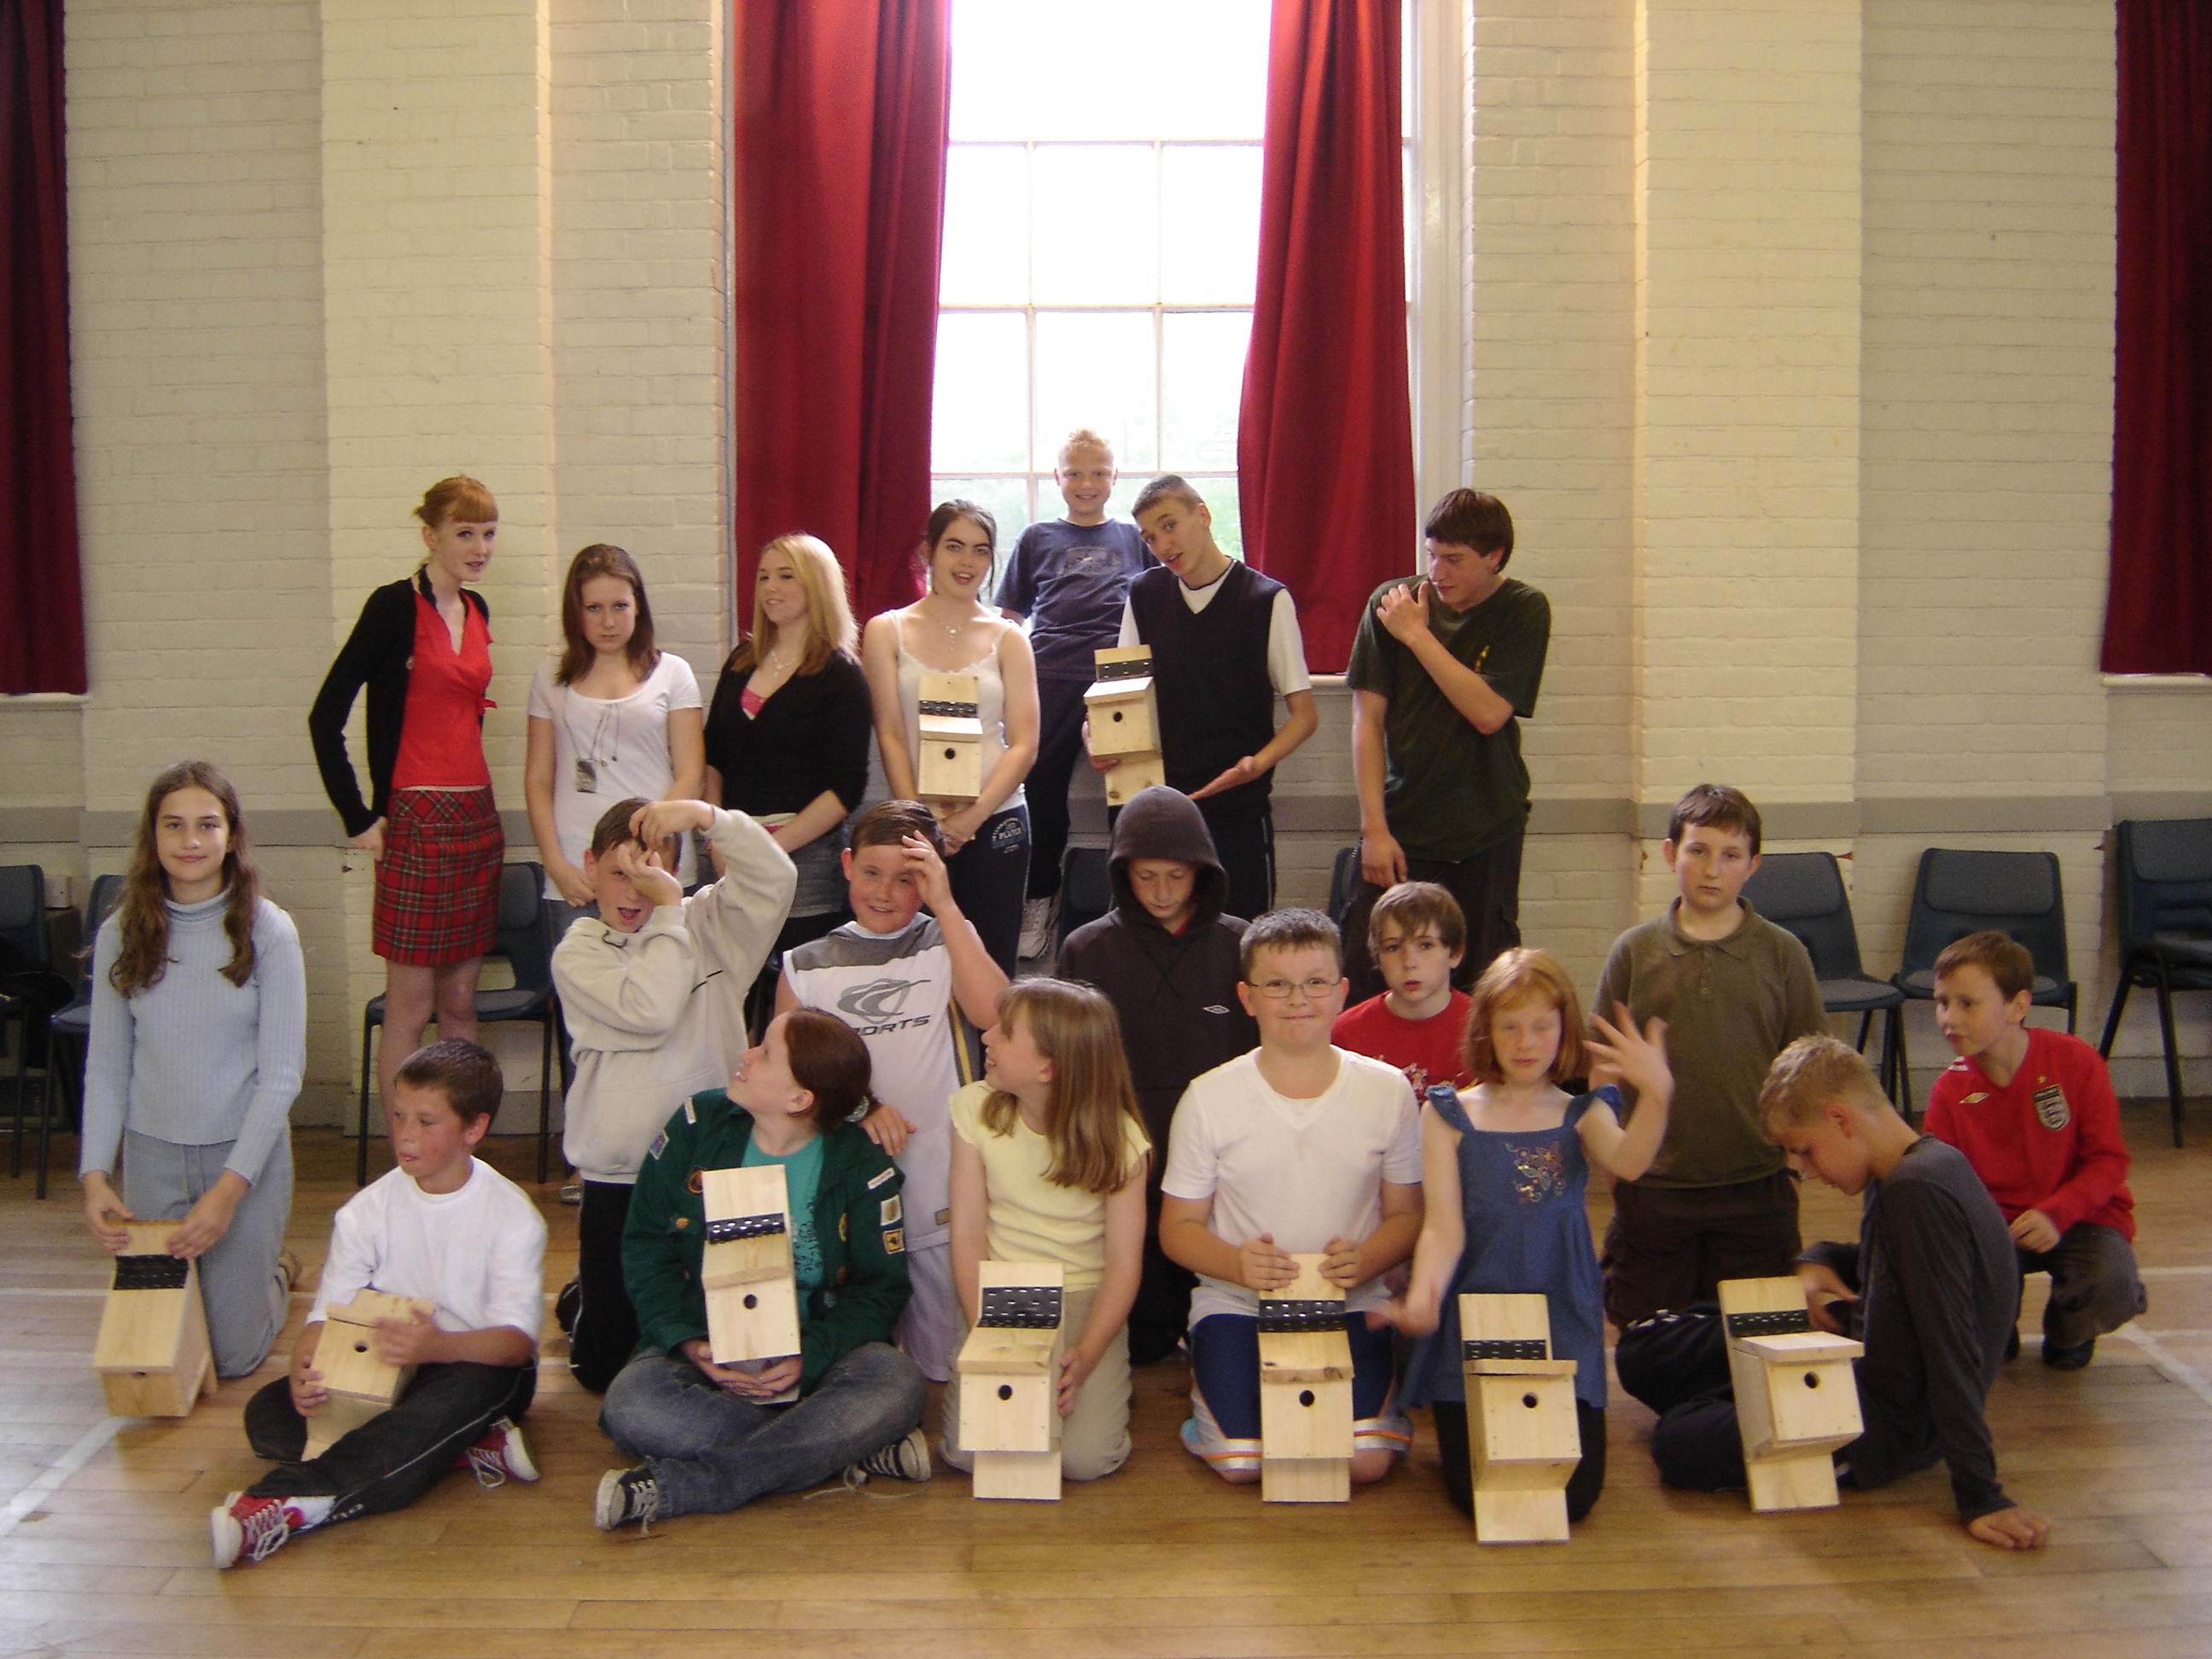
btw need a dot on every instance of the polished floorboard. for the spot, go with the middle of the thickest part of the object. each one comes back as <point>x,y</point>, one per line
<point>103,1535</point>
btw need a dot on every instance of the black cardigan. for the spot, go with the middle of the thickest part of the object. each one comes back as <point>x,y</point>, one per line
<point>811,736</point>
<point>377,653</point>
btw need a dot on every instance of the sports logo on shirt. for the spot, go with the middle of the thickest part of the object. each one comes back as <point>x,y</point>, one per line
<point>2051,1107</point>
<point>874,1008</point>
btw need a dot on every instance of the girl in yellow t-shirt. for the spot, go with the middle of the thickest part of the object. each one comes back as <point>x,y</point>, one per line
<point>1048,1159</point>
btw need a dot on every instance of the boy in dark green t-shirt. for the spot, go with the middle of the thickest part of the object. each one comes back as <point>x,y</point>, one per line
<point>1442,672</point>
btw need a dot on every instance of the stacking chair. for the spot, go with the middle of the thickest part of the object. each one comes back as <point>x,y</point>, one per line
<point>1958,893</point>
<point>2165,881</point>
<point>1803,893</point>
<point>526,939</point>
<point>27,992</point>
<point>68,1030</point>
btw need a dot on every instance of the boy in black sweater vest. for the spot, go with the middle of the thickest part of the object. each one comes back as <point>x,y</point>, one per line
<point>1226,646</point>
<point>1165,957</point>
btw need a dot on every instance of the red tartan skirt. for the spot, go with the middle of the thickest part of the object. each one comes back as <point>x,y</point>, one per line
<point>437,886</point>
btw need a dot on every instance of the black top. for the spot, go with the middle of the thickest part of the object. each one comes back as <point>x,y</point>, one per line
<point>1175,992</point>
<point>1939,1291</point>
<point>377,653</point>
<point>1210,677</point>
<point>811,736</point>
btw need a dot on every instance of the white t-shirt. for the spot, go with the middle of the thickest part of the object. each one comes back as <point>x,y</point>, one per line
<point>477,1254</point>
<point>1286,647</point>
<point>626,741</point>
<point>1304,1170</point>
<point>895,990</point>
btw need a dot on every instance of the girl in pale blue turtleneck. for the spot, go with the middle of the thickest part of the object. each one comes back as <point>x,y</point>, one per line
<point>199,1021</point>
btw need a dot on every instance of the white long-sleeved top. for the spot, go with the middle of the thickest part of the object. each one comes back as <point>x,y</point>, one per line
<point>194,1060</point>
<point>659,1015</point>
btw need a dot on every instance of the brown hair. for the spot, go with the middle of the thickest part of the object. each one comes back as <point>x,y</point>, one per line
<point>142,913</point>
<point>1469,518</point>
<point>1287,930</point>
<point>463,1072</point>
<point>829,1060</point>
<point>1412,906</point>
<point>943,519</point>
<point>460,498</point>
<point>1517,976</point>
<point>2004,958</point>
<point>613,828</point>
<point>888,822</point>
<point>603,559</point>
<point>829,626</point>
<point>1809,1074</point>
<point>1715,806</point>
<point>1093,1101</point>
<point>1168,486</point>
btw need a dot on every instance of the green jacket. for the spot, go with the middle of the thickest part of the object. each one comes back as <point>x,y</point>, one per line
<point>859,1223</point>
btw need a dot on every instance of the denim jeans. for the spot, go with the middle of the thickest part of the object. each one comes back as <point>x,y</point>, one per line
<point>711,1451</point>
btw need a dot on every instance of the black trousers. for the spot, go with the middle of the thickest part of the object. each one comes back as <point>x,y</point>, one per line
<point>988,876</point>
<point>1060,746</point>
<point>606,1331</point>
<point>395,1457</point>
<point>1667,1246</point>
<point>1488,889</point>
<point>1584,1486</point>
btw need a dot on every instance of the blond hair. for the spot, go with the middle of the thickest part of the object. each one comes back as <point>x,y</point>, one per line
<point>829,626</point>
<point>1516,977</point>
<point>1082,438</point>
<point>1075,1028</point>
<point>1808,1076</point>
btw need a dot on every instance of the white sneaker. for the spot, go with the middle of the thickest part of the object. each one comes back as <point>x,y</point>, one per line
<point>1040,916</point>
<point>500,1456</point>
<point>905,1459</point>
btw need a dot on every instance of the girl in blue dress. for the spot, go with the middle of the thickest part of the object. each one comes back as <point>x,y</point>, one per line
<point>1504,1167</point>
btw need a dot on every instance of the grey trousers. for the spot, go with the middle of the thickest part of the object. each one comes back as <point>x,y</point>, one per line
<point>244,1294</point>
<point>2094,1287</point>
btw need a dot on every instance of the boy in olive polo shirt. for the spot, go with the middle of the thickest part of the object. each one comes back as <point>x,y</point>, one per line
<point>1442,672</point>
<point>1734,990</point>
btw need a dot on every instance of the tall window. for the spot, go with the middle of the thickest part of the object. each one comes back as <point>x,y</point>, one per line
<point>1102,229</point>
<point>1102,219</point>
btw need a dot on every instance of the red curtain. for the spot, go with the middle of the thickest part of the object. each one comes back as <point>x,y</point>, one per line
<point>841,132</point>
<point>1325,443</point>
<point>41,593</point>
<point>2158,611</point>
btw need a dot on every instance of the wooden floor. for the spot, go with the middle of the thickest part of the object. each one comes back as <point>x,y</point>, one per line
<point>103,1535</point>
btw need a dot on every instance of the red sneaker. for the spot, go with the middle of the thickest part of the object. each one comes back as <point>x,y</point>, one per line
<point>500,1456</point>
<point>255,1528</point>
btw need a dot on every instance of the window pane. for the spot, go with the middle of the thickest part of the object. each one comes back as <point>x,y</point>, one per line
<point>1097,224</point>
<point>1006,499</point>
<point>1209,224</point>
<point>1095,369</point>
<point>979,412</point>
<point>1142,69</point>
<point>1219,491</point>
<point>986,226</point>
<point>1201,383</point>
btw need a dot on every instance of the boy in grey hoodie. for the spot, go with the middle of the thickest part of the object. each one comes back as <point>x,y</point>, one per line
<point>1166,957</point>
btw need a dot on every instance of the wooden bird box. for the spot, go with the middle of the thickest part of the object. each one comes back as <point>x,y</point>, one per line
<point>1125,721</point>
<point>1523,1438</point>
<point>360,1386</point>
<point>1009,1381</point>
<point>1123,712</point>
<point>1305,1391</point>
<point>1796,1401</point>
<point>152,1353</point>
<point>752,1293</point>
<point>951,765</point>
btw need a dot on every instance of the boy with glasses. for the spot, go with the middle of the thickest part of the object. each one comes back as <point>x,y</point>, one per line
<point>1296,1148</point>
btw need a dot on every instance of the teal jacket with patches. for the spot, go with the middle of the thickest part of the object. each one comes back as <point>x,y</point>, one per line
<point>858,1224</point>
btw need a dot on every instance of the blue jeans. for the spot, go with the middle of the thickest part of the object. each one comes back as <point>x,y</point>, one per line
<point>711,1451</point>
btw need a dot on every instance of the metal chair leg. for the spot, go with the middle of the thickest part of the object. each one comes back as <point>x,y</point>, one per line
<point>2172,1057</point>
<point>2119,1002</point>
<point>1904,1070</point>
<point>360,1149</point>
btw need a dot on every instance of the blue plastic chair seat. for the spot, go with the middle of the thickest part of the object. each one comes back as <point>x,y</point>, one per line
<point>1858,996</point>
<point>2045,993</point>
